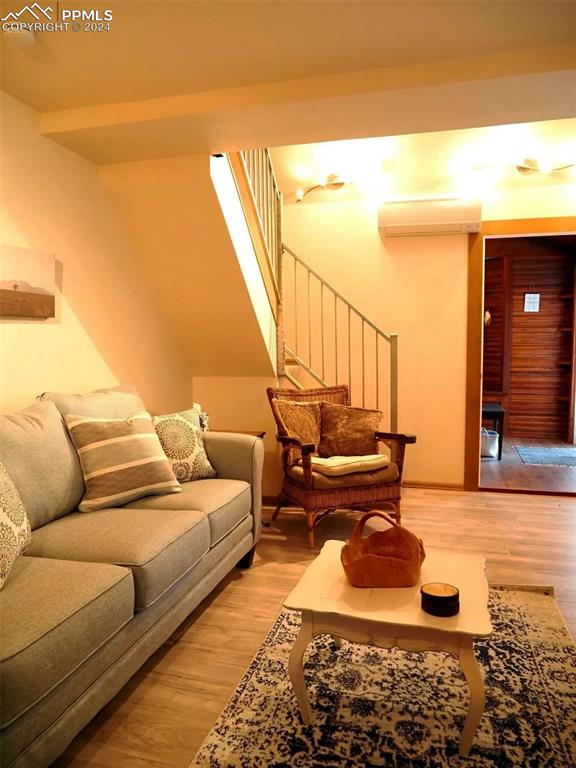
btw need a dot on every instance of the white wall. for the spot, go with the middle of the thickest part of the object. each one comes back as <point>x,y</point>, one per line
<point>106,331</point>
<point>532,201</point>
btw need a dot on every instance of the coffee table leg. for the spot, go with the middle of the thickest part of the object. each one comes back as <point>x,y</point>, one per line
<point>295,668</point>
<point>477,694</point>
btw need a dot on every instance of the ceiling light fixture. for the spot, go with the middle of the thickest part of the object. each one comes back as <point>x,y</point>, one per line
<point>19,37</point>
<point>330,182</point>
<point>531,165</point>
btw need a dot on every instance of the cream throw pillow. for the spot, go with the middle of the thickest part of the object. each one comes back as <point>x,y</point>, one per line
<point>121,459</point>
<point>15,530</point>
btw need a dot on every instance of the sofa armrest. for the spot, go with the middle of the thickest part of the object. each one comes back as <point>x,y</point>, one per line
<point>238,457</point>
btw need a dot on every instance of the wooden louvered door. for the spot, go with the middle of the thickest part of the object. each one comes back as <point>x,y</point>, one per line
<point>529,356</point>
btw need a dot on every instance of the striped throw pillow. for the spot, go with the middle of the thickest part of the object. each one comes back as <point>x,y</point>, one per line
<point>122,460</point>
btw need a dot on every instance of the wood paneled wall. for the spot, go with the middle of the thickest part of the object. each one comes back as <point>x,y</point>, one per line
<point>495,292</point>
<point>528,357</point>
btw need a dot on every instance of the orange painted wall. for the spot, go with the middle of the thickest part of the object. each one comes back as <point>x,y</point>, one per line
<point>416,287</point>
<point>105,331</point>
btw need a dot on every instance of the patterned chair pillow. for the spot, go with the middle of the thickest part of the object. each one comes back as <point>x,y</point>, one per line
<point>348,431</point>
<point>15,530</point>
<point>180,435</point>
<point>299,420</point>
<point>122,460</point>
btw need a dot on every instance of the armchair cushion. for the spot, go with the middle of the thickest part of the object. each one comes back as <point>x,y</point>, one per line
<point>384,476</point>
<point>348,431</point>
<point>337,466</point>
<point>300,420</point>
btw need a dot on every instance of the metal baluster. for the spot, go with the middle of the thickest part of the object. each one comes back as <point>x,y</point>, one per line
<point>363,370</point>
<point>276,207</point>
<point>322,324</point>
<point>295,308</point>
<point>349,353</point>
<point>394,382</point>
<point>377,371</point>
<point>261,185</point>
<point>265,207</point>
<point>309,325</point>
<point>256,177</point>
<point>335,339</point>
<point>265,203</point>
<point>270,212</point>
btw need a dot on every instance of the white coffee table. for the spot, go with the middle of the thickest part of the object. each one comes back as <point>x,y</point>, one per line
<point>393,617</point>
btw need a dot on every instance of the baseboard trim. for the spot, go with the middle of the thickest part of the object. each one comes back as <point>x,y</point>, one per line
<point>433,486</point>
<point>526,491</point>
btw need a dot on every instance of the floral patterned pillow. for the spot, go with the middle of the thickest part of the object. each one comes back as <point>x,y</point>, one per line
<point>15,530</point>
<point>181,437</point>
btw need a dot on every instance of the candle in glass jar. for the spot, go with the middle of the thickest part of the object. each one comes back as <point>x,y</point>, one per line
<point>439,599</point>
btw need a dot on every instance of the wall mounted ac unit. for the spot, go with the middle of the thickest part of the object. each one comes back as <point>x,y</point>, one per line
<point>429,217</point>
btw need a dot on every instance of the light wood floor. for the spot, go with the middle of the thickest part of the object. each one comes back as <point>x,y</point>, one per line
<point>512,473</point>
<point>162,715</point>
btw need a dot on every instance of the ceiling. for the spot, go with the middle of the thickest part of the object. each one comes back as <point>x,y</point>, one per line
<point>467,162</point>
<point>157,49</point>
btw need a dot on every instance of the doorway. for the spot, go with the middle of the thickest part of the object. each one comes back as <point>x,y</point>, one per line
<point>528,364</point>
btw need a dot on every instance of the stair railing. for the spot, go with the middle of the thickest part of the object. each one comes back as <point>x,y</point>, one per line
<point>320,320</point>
<point>266,201</point>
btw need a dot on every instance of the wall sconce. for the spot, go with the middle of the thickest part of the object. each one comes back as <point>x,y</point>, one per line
<point>530,165</point>
<point>487,318</point>
<point>330,182</point>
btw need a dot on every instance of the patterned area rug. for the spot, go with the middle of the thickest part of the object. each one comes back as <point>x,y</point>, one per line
<point>558,457</point>
<point>376,707</point>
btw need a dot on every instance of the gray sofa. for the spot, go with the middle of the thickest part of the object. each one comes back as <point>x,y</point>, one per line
<point>98,592</point>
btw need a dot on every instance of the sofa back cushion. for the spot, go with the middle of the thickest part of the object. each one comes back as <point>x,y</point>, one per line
<point>39,457</point>
<point>101,404</point>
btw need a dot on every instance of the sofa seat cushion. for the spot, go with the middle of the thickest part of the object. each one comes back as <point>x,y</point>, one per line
<point>55,615</point>
<point>388,474</point>
<point>225,502</point>
<point>158,548</point>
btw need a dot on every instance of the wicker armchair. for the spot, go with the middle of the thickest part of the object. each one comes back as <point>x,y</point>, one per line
<point>318,495</point>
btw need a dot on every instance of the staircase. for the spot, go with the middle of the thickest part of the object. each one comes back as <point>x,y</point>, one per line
<point>322,338</point>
